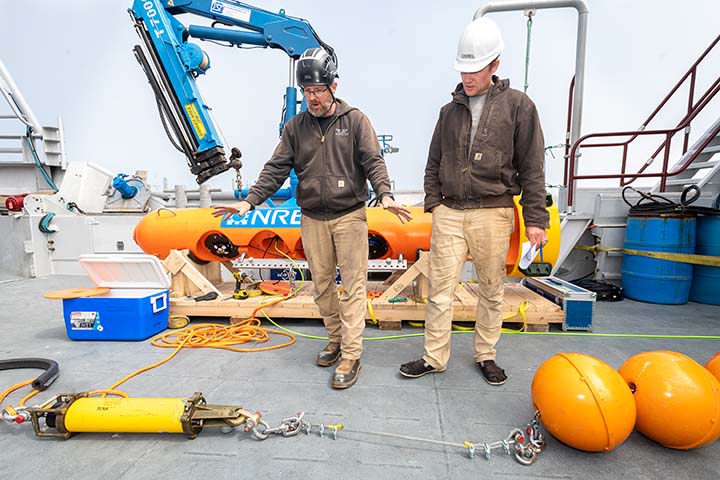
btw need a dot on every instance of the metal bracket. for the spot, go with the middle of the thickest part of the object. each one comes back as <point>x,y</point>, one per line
<point>53,412</point>
<point>387,264</point>
<point>199,414</point>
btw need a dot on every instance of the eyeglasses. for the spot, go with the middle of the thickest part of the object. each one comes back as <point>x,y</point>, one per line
<point>316,92</point>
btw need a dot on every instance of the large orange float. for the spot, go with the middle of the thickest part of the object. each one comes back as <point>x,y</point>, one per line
<point>264,231</point>
<point>714,365</point>
<point>678,400</point>
<point>583,402</point>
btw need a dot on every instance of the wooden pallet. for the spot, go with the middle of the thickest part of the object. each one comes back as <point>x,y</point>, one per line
<point>191,280</point>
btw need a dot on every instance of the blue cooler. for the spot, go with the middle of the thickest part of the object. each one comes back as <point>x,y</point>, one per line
<point>135,308</point>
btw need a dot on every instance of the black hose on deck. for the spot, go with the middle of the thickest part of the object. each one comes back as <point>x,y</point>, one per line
<point>655,204</point>
<point>52,370</point>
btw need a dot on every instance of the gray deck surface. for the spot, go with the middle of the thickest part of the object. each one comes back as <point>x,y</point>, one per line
<point>453,406</point>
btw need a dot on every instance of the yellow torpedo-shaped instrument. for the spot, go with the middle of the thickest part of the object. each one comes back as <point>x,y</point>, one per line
<point>68,414</point>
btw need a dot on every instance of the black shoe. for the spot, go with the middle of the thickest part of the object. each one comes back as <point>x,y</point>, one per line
<point>493,374</point>
<point>329,355</point>
<point>418,368</point>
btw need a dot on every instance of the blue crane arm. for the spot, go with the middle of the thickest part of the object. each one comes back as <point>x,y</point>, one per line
<point>172,64</point>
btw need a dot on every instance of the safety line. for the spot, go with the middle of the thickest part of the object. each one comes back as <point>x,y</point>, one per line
<point>516,332</point>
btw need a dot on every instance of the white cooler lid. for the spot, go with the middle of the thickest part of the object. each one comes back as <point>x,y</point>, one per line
<point>125,271</point>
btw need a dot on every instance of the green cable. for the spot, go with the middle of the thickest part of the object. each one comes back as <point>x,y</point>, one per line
<point>37,161</point>
<point>44,224</point>
<point>316,337</point>
<point>505,332</point>
<point>297,267</point>
<point>512,332</point>
<point>623,335</point>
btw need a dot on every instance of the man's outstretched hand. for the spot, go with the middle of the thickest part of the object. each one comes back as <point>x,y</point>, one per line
<point>227,211</point>
<point>402,212</point>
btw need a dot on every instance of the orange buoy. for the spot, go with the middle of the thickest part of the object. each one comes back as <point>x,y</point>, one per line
<point>273,233</point>
<point>583,402</point>
<point>678,401</point>
<point>714,365</point>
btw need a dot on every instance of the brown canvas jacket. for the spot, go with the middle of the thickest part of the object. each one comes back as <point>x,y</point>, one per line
<point>506,158</point>
<point>332,169</point>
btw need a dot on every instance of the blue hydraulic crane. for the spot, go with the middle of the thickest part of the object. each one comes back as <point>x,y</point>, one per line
<point>172,64</point>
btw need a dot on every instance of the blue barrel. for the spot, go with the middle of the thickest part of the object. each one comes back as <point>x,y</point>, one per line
<point>706,280</point>
<point>652,280</point>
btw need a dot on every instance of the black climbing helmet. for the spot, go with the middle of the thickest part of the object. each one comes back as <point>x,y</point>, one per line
<point>316,67</point>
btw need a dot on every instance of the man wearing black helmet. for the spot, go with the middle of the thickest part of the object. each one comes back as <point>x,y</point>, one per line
<point>334,151</point>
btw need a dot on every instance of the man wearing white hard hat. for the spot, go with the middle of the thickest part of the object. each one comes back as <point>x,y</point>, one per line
<point>487,147</point>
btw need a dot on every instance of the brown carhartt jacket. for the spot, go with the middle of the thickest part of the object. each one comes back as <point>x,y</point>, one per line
<point>507,156</point>
<point>332,169</point>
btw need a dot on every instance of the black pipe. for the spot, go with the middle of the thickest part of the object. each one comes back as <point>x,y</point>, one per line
<point>52,370</point>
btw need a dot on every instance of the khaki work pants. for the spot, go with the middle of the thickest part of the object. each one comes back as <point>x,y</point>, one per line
<point>342,242</point>
<point>485,234</point>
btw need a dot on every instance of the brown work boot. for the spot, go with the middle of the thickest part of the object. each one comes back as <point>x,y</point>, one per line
<point>346,373</point>
<point>329,355</point>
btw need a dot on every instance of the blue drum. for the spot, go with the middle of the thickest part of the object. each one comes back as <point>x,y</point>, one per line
<point>653,280</point>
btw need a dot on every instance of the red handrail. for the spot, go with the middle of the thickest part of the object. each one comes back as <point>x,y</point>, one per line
<point>693,109</point>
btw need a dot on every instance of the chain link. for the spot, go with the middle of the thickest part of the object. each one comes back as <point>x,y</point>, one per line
<point>525,444</point>
<point>289,427</point>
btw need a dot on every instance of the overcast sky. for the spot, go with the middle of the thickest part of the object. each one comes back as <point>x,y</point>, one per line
<point>73,58</point>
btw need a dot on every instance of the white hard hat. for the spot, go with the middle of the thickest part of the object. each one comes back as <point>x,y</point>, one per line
<point>480,44</point>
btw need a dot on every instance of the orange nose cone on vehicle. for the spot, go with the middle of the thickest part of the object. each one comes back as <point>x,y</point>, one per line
<point>678,400</point>
<point>714,365</point>
<point>583,402</point>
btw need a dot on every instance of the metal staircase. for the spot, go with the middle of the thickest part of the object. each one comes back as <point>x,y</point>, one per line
<point>703,166</point>
<point>597,216</point>
<point>25,167</point>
